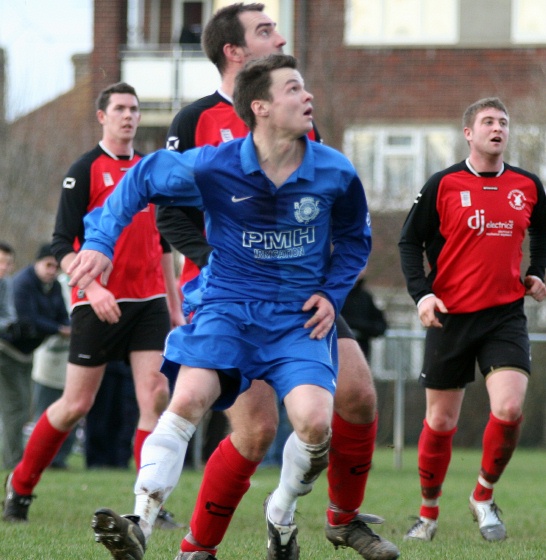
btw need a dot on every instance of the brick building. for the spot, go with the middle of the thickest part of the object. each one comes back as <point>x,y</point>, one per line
<point>391,79</point>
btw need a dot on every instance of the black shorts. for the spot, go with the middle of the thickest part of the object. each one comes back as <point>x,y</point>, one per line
<point>143,325</point>
<point>343,329</point>
<point>497,338</point>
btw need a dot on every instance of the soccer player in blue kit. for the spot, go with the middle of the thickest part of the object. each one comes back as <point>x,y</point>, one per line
<point>288,222</point>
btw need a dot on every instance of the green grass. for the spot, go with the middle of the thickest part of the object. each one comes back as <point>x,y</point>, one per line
<point>59,518</point>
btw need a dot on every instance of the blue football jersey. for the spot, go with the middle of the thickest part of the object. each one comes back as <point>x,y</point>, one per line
<point>311,234</point>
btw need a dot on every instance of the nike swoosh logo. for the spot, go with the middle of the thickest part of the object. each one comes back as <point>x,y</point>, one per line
<point>235,199</point>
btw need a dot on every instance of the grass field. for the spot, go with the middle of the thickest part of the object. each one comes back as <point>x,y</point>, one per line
<point>59,526</point>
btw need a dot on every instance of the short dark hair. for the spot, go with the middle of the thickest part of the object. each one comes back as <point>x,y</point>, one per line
<point>104,96</point>
<point>6,248</point>
<point>254,82</point>
<point>225,28</point>
<point>470,113</point>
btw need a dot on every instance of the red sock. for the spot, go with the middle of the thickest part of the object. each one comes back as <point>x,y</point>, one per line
<point>226,479</point>
<point>351,452</point>
<point>42,446</point>
<point>434,450</point>
<point>140,436</point>
<point>499,441</point>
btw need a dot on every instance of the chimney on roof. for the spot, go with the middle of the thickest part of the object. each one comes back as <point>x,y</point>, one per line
<point>81,66</point>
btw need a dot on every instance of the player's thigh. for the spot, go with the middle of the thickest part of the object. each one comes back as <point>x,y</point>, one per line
<point>254,419</point>
<point>82,383</point>
<point>151,386</point>
<point>355,397</point>
<point>81,387</point>
<point>310,409</point>
<point>507,389</point>
<point>254,408</point>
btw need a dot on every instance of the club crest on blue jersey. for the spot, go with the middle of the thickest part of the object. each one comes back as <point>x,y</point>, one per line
<point>306,209</point>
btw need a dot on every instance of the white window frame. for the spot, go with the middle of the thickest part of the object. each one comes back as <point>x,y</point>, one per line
<point>527,148</point>
<point>528,22</point>
<point>374,180</point>
<point>438,27</point>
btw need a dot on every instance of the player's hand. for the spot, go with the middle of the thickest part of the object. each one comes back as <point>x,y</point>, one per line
<point>64,331</point>
<point>535,288</point>
<point>177,317</point>
<point>103,302</point>
<point>324,316</point>
<point>427,311</point>
<point>87,266</point>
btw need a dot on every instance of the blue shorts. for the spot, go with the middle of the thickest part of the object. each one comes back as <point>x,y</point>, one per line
<point>253,340</point>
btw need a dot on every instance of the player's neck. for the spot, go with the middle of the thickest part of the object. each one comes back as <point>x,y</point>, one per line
<point>118,147</point>
<point>486,164</point>
<point>278,157</point>
<point>228,84</point>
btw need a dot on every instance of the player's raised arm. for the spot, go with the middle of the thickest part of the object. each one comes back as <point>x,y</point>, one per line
<point>163,177</point>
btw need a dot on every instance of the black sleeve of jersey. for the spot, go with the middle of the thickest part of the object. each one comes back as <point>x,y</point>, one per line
<point>183,226</point>
<point>420,233</point>
<point>537,233</point>
<point>177,226</point>
<point>181,135</point>
<point>72,208</point>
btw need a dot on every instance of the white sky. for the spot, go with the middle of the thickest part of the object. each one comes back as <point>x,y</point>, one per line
<point>39,38</point>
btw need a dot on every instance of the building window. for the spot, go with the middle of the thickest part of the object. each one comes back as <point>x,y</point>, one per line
<point>528,21</point>
<point>192,25</point>
<point>527,149</point>
<point>395,162</point>
<point>401,22</point>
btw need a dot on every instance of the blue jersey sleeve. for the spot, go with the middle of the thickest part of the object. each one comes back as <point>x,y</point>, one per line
<point>351,241</point>
<point>164,178</point>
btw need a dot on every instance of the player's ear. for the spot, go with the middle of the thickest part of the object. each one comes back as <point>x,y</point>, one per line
<point>234,53</point>
<point>260,108</point>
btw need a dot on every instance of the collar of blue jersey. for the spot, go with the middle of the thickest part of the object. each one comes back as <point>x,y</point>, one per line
<point>250,164</point>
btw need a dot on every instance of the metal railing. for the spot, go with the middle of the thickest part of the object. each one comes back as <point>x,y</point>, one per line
<point>168,76</point>
<point>398,342</point>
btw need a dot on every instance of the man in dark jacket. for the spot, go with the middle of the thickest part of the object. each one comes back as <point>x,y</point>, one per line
<point>41,311</point>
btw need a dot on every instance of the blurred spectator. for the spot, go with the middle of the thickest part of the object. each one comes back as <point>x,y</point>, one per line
<point>48,378</point>
<point>41,312</point>
<point>363,316</point>
<point>190,37</point>
<point>7,314</point>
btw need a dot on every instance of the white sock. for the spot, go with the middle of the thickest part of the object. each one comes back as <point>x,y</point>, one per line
<point>301,465</point>
<point>162,459</point>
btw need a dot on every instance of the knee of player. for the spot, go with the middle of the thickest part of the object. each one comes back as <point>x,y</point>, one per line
<point>253,444</point>
<point>74,410</point>
<point>315,430</point>
<point>358,408</point>
<point>155,397</point>
<point>510,410</point>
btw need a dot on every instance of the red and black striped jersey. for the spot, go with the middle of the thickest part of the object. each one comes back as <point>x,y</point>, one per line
<point>137,273</point>
<point>472,228</point>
